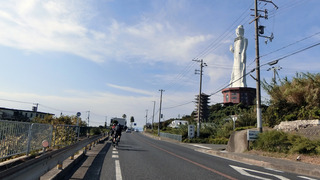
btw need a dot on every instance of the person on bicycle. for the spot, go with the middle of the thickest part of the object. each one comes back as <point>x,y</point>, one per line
<point>112,129</point>
<point>118,131</point>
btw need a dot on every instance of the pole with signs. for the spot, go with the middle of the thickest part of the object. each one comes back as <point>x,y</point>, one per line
<point>78,128</point>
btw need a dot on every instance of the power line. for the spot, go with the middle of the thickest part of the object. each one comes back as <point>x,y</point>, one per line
<point>268,63</point>
<point>24,102</point>
<point>178,105</point>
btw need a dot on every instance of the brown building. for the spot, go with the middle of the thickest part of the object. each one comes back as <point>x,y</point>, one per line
<point>236,95</point>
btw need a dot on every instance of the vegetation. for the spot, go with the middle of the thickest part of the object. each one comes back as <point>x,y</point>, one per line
<point>298,99</point>
<point>281,142</point>
<point>294,99</point>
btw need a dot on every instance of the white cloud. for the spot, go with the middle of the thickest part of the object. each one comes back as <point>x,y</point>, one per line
<point>130,89</point>
<point>57,25</point>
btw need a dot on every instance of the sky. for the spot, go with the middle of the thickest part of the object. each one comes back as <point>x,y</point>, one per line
<point>111,57</point>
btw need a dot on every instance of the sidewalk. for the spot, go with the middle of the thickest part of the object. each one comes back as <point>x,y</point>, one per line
<point>84,166</point>
<point>263,161</point>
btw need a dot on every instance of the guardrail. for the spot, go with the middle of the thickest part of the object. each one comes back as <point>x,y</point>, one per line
<point>35,168</point>
<point>172,136</point>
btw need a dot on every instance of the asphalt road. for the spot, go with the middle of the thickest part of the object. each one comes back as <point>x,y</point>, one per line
<point>140,157</point>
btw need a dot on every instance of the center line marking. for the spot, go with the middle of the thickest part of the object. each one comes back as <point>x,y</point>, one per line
<point>118,170</point>
<point>115,156</point>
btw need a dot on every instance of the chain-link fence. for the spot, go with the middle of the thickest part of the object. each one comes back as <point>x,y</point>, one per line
<point>171,136</point>
<point>21,137</point>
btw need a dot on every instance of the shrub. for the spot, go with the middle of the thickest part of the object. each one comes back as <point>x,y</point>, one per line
<point>220,140</point>
<point>278,141</point>
<point>272,141</point>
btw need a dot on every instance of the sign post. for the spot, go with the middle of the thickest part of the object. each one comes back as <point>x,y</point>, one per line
<point>78,115</point>
<point>191,131</point>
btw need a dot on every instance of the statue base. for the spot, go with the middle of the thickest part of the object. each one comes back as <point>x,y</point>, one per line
<point>236,95</point>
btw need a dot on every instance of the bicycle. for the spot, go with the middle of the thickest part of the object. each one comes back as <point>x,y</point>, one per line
<point>115,140</point>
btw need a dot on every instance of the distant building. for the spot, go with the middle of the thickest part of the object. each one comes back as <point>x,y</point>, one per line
<point>236,95</point>
<point>20,115</point>
<point>177,123</point>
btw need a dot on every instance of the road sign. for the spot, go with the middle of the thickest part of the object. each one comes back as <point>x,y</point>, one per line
<point>78,114</point>
<point>252,135</point>
<point>191,131</point>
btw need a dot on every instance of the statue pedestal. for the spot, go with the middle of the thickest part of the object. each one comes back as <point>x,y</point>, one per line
<point>236,95</point>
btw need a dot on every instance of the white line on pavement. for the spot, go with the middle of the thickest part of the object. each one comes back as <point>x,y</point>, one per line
<point>118,170</point>
<point>115,156</point>
<point>200,146</point>
<point>304,177</point>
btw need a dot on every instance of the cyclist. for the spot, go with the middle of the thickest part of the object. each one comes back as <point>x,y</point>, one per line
<point>112,129</point>
<point>117,136</point>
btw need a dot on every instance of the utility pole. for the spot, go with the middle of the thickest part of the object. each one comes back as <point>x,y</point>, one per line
<point>200,89</point>
<point>274,72</point>
<point>161,90</point>
<point>146,118</point>
<point>258,90</point>
<point>88,123</point>
<point>154,106</point>
<point>258,31</point>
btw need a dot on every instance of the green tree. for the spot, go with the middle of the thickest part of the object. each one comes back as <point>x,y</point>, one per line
<point>131,119</point>
<point>293,100</point>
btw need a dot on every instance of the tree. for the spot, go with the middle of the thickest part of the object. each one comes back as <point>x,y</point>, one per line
<point>293,100</point>
<point>124,116</point>
<point>132,119</point>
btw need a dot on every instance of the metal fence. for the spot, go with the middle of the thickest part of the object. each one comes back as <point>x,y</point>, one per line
<point>172,136</point>
<point>65,135</point>
<point>21,137</point>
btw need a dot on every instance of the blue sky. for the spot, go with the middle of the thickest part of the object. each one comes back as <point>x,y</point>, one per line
<point>111,57</point>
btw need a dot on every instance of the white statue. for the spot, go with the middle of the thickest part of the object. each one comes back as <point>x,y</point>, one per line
<point>238,78</point>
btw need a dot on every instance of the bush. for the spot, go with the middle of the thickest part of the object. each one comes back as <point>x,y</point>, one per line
<point>278,141</point>
<point>220,140</point>
<point>272,141</point>
<point>95,131</point>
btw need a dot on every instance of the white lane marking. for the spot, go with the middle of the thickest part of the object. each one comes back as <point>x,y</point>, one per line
<point>273,170</point>
<point>201,146</point>
<point>304,177</point>
<point>115,156</point>
<point>114,152</point>
<point>118,170</point>
<point>244,172</point>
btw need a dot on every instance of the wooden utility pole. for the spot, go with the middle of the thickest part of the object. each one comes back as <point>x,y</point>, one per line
<point>161,90</point>
<point>258,90</point>
<point>257,34</point>
<point>200,91</point>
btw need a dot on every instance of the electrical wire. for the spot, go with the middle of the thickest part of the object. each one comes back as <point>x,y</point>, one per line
<point>276,60</point>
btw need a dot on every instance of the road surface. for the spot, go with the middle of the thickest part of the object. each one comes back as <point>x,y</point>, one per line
<point>139,157</point>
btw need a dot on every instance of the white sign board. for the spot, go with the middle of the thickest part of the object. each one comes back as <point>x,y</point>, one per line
<point>252,135</point>
<point>191,131</point>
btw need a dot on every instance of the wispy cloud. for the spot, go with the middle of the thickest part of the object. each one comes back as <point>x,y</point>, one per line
<point>130,89</point>
<point>63,26</point>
